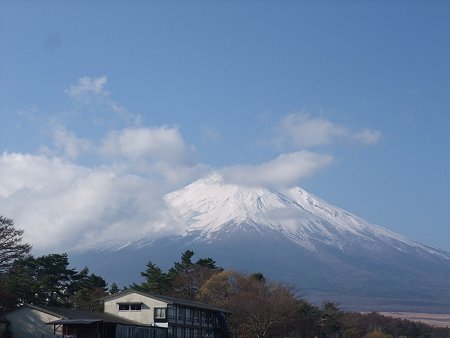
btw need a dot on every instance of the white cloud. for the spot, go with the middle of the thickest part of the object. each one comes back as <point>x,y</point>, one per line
<point>67,142</point>
<point>303,131</point>
<point>61,205</point>
<point>286,170</point>
<point>160,152</point>
<point>124,114</point>
<point>92,93</point>
<point>368,137</point>
<point>87,87</point>
<point>38,173</point>
<point>162,143</point>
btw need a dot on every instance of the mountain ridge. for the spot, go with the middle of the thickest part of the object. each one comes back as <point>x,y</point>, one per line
<point>295,212</point>
<point>294,237</point>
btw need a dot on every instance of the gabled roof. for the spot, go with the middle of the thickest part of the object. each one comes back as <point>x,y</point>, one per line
<point>72,314</point>
<point>168,300</point>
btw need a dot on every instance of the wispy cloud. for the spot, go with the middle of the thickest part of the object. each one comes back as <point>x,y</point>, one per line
<point>63,204</point>
<point>286,170</point>
<point>368,137</point>
<point>302,131</point>
<point>68,144</point>
<point>86,88</point>
<point>211,133</point>
<point>92,92</point>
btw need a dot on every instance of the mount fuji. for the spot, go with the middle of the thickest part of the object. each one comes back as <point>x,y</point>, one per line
<point>293,237</point>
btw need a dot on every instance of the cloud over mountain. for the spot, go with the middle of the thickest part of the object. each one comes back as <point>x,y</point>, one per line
<point>82,188</point>
<point>304,131</point>
<point>161,143</point>
<point>286,170</point>
<point>60,204</point>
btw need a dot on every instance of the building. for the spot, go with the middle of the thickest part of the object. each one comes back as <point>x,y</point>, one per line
<point>31,321</point>
<point>127,314</point>
<point>182,318</point>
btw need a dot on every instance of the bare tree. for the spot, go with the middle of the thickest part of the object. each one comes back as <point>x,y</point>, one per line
<point>259,308</point>
<point>11,246</point>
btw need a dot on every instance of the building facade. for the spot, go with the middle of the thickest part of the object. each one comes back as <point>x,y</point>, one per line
<point>182,318</point>
<point>31,321</point>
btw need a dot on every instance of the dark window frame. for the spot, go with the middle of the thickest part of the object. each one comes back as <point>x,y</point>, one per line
<point>130,307</point>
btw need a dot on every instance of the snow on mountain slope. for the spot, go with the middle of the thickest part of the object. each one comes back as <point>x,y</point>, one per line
<point>210,206</point>
<point>291,236</point>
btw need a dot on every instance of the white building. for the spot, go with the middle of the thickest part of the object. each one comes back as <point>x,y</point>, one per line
<point>31,321</point>
<point>183,318</point>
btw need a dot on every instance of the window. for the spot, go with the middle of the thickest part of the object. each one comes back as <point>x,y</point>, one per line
<point>171,313</point>
<point>160,313</point>
<point>130,307</point>
<point>181,314</point>
<point>188,315</point>
<point>135,307</point>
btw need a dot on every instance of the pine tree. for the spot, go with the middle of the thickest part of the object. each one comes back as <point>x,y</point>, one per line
<point>114,289</point>
<point>11,246</point>
<point>156,281</point>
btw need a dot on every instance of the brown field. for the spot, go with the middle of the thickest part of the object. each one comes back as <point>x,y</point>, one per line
<point>433,319</point>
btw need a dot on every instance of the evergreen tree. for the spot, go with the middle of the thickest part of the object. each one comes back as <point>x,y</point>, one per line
<point>258,276</point>
<point>44,280</point>
<point>88,290</point>
<point>11,246</point>
<point>184,265</point>
<point>331,321</point>
<point>156,281</point>
<point>114,289</point>
<point>187,277</point>
<point>207,263</point>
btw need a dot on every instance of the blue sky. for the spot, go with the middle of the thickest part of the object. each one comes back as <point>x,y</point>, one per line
<point>107,105</point>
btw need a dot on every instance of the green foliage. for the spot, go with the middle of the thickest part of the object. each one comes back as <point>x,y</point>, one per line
<point>258,276</point>
<point>207,263</point>
<point>183,279</point>
<point>114,289</point>
<point>48,280</point>
<point>184,265</point>
<point>259,308</point>
<point>156,281</point>
<point>11,246</point>
<point>44,280</point>
<point>306,323</point>
<point>331,320</point>
<point>87,291</point>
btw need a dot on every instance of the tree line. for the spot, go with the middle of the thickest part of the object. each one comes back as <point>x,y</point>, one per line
<point>257,307</point>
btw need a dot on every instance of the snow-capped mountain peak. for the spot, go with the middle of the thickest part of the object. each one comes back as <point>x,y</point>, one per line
<point>291,236</point>
<point>211,206</point>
